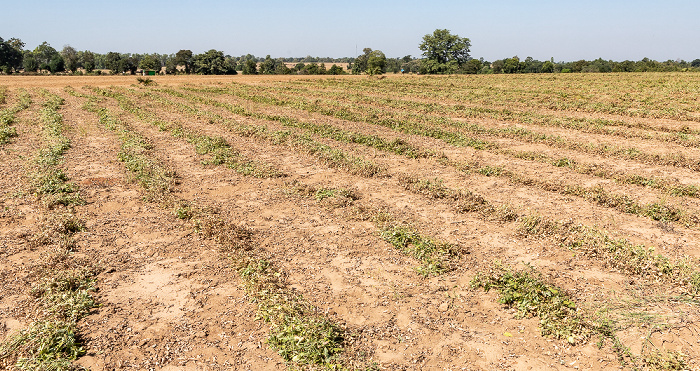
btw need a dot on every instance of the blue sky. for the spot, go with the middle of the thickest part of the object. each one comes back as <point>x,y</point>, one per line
<point>565,30</point>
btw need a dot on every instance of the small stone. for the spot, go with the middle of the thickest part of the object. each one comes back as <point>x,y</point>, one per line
<point>443,307</point>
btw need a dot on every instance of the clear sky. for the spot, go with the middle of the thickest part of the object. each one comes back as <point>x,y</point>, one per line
<point>564,30</point>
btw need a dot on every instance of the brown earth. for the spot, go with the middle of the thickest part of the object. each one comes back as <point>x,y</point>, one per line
<point>171,300</point>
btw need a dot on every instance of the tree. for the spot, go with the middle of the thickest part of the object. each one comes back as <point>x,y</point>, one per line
<point>56,64</point>
<point>310,69</point>
<point>87,59</point>
<point>29,63</point>
<point>282,69</point>
<point>376,63</point>
<point>212,62</point>
<point>250,67</point>
<point>43,54</point>
<point>268,66</point>
<point>184,58</point>
<point>444,52</point>
<point>114,63</point>
<point>149,62</point>
<point>70,58</point>
<point>299,67</point>
<point>360,64</point>
<point>511,65</point>
<point>335,70</point>
<point>473,66</point>
<point>548,67</point>
<point>10,54</point>
<point>695,63</point>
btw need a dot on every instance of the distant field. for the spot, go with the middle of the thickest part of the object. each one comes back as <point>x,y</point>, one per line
<point>410,222</point>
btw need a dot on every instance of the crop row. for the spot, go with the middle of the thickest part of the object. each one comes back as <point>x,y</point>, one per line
<point>444,128</point>
<point>596,241</point>
<point>436,256</point>
<point>635,95</point>
<point>64,285</point>
<point>7,116</point>
<point>659,210</point>
<point>684,136</point>
<point>641,261</point>
<point>298,331</point>
<point>668,185</point>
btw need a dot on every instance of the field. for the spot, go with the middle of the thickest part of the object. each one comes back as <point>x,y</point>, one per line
<point>482,222</point>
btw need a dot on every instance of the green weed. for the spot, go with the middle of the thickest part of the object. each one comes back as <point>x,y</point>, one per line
<point>526,291</point>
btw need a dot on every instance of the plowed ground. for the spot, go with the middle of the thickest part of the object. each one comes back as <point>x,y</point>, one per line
<point>171,298</point>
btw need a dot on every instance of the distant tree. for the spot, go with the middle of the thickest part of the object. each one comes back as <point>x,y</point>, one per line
<point>376,63</point>
<point>547,67</point>
<point>268,66</point>
<point>87,60</point>
<point>10,54</point>
<point>695,63</point>
<point>472,67</point>
<point>497,66</point>
<point>411,66</point>
<point>310,69</point>
<point>171,66</point>
<point>444,52</point>
<point>282,69</point>
<point>149,62</point>
<point>231,65</point>
<point>114,63</point>
<point>250,67</point>
<point>29,62</point>
<point>184,58</point>
<point>511,65</point>
<point>56,64</point>
<point>212,62</point>
<point>130,63</point>
<point>360,64</point>
<point>70,58</point>
<point>335,70</point>
<point>298,67</point>
<point>43,54</point>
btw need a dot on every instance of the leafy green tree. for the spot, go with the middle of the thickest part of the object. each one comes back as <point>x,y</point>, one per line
<point>131,64</point>
<point>114,62</point>
<point>336,70</point>
<point>70,58</point>
<point>311,69</point>
<point>268,66</point>
<point>10,54</point>
<point>376,63</point>
<point>250,67</point>
<point>547,67</point>
<point>360,64</point>
<point>444,52</point>
<point>695,63</point>
<point>184,58</point>
<point>56,64</point>
<point>149,62</point>
<point>282,69</point>
<point>212,62</point>
<point>43,54</point>
<point>299,67</point>
<point>497,66</point>
<point>87,60</point>
<point>29,62</point>
<point>511,65</point>
<point>473,66</point>
<point>231,65</point>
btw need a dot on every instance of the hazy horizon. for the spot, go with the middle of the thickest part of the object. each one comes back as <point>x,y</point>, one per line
<point>615,30</point>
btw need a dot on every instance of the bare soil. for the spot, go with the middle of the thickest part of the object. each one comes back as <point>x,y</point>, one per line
<point>170,299</point>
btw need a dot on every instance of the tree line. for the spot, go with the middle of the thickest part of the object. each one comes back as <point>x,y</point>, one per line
<point>443,53</point>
